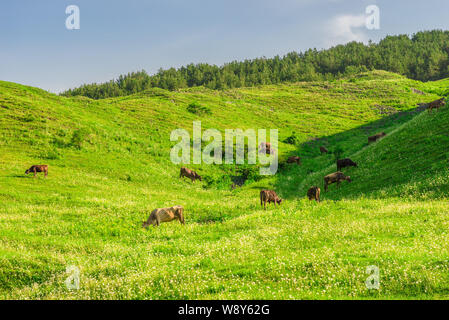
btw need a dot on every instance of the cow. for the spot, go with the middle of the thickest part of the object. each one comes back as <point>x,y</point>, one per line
<point>269,196</point>
<point>436,104</point>
<point>376,137</point>
<point>164,215</point>
<point>335,177</point>
<point>314,193</point>
<point>294,159</point>
<point>266,148</point>
<point>323,150</point>
<point>38,168</point>
<point>192,175</point>
<point>343,163</point>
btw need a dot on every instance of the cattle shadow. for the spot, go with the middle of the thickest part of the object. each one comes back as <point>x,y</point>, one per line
<point>341,145</point>
<point>18,176</point>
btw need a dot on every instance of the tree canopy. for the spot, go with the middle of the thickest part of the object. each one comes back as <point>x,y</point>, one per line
<point>423,56</point>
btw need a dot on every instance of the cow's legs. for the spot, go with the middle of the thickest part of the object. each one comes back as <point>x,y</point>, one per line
<point>181,218</point>
<point>34,170</point>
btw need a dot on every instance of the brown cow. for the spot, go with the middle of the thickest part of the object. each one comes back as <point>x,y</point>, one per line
<point>269,196</point>
<point>376,137</point>
<point>343,163</point>
<point>335,177</point>
<point>165,215</point>
<point>323,150</point>
<point>436,104</point>
<point>294,159</point>
<point>192,175</point>
<point>266,148</point>
<point>38,168</point>
<point>314,193</point>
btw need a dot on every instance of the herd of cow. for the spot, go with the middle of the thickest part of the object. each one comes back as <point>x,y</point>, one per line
<point>177,212</point>
<point>270,196</point>
<point>314,192</point>
<point>266,196</point>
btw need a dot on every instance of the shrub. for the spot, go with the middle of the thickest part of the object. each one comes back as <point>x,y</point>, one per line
<point>79,136</point>
<point>293,139</point>
<point>196,108</point>
<point>51,154</point>
<point>28,118</point>
<point>337,152</point>
<point>249,172</point>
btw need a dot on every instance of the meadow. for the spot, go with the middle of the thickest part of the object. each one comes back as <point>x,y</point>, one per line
<point>109,167</point>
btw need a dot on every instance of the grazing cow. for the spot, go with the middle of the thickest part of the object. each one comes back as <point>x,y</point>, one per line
<point>314,193</point>
<point>38,168</point>
<point>335,177</point>
<point>266,148</point>
<point>376,137</point>
<point>343,163</point>
<point>269,196</point>
<point>436,104</point>
<point>294,159</point>
<point>165,215</point>
<point>323,150</point>
<point>192,175</point>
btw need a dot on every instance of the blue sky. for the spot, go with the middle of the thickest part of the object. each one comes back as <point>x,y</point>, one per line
<point>117,37</point>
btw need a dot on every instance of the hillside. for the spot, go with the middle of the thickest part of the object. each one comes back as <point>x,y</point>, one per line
<point>109,167</point>
<point>411,162</point>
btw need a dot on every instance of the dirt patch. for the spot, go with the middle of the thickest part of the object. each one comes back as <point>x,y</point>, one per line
<point>417,91</point>
<point>384,110</point>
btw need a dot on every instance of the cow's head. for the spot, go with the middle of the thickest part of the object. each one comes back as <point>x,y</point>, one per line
<point>179,210</point>
<point>278,200</point>
<point>146,224</point>
<point>200,178</point>
<point>28,171</point>
<point>348,178</point>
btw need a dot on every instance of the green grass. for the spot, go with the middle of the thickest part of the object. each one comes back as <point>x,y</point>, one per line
<point>109,167</point>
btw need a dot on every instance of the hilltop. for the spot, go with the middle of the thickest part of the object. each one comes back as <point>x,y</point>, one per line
<point>421,56</point>
<point>110,166</point>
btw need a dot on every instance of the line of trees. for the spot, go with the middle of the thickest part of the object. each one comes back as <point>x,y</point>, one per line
<point>423,56</point>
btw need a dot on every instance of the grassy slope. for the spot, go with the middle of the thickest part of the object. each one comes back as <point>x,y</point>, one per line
<point>411,162</point>
<point>88,212</point>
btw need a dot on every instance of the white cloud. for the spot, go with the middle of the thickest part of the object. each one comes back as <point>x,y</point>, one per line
<point>346,28</point>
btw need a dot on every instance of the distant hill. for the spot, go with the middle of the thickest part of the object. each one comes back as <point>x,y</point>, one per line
<point>423,56</point>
